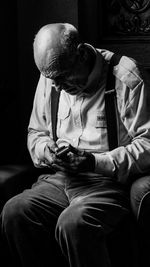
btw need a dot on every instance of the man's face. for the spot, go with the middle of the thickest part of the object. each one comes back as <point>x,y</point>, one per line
<point>73,82</point>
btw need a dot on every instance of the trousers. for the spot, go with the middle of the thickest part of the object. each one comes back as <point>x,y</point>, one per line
<point>140,204</point>
<point>140,200</point>
<point>63,221</point>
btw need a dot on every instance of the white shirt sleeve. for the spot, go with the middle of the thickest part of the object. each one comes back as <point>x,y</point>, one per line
<point>39,129</point>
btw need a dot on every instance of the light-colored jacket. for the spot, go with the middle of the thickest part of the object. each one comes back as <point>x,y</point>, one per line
<point>82,121</point>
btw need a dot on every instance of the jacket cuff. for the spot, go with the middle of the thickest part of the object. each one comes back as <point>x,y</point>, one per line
<point>104,164</point>
<point>39,159</point>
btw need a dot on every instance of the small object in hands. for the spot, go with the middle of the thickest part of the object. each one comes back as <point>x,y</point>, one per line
<point>63,151</point>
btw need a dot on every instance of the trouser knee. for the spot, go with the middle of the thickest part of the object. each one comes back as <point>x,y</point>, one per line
<point>75,222</point>
<point>140,200</point>
<point>13,212</point>
<point>69,221</point>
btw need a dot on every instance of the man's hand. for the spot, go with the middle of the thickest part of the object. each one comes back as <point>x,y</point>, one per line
<point>82,161</point>
<point>49,154</point>
<point>76,161</point>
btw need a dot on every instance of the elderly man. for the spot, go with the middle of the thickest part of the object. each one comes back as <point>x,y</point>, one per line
<point>84,195</point>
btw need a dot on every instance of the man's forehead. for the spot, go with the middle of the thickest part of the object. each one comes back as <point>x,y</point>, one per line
<point>56,74</point>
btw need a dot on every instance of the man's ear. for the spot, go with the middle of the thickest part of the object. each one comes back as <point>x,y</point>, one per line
<point>82,52</point>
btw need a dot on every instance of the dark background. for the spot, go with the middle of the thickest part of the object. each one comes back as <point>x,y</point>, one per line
<point>19,21</point>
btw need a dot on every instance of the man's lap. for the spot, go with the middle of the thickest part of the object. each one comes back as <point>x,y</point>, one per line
<point>103,192</point>
<point>101,197</point>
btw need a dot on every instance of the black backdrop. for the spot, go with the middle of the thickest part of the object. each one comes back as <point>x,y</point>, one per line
<point>19,21</point>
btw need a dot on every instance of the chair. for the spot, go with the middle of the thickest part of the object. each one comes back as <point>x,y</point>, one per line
<point>14,179</point>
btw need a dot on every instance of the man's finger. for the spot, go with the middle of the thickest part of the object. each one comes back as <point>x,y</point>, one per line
<point>78,152</point>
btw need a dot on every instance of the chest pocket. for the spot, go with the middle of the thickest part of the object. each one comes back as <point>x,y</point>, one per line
<point>97,119</point>
<point>63,110</point>
<point>96,130</point>
<point>63,122</point>
<point>100,120</point>
<point>64,113</point>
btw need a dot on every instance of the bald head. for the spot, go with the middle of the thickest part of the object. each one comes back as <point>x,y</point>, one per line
<point>55,48</point>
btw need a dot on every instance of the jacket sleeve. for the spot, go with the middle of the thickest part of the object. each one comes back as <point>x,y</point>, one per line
<point>132,160</point>
<point>39,129</point>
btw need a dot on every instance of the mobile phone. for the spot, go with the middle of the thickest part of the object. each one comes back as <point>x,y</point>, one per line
<point>62,152</point>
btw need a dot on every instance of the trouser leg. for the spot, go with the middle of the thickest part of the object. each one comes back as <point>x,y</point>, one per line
<point>83,226</point>
<point>140,203</point>
<point>85,213</point>
<point>28,226</point>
